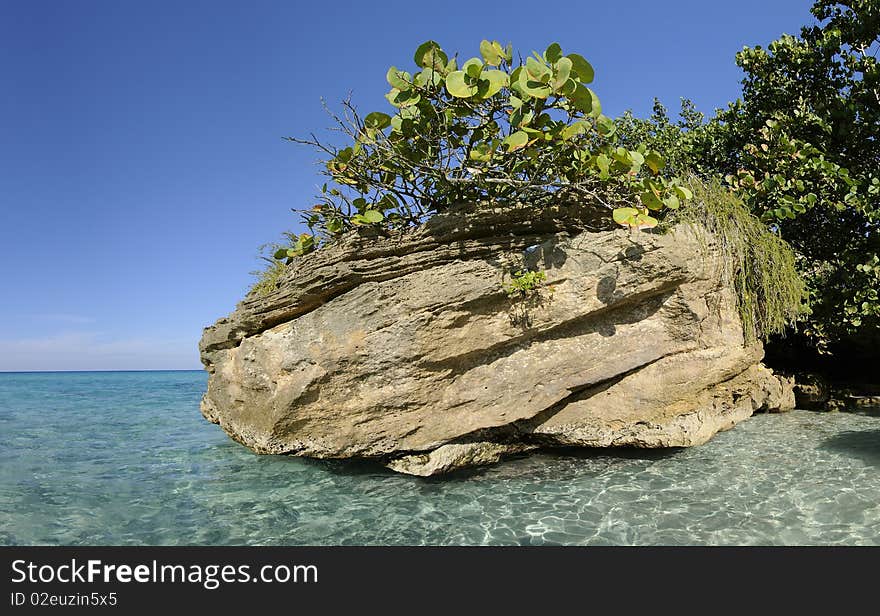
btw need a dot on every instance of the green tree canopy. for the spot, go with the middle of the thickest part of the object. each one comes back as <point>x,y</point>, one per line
<point>803,147</point>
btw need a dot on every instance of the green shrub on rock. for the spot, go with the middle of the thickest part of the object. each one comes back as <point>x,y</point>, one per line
<point>485,129</point>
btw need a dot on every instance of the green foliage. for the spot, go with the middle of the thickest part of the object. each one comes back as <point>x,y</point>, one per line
<point>299,245</point>
<point>277,257</point>
<point>770,292</point>
<point>676,141</point>
<point>803,150</point>
<point>864,304</point>
<point>268,278</point>
<point>782,177</point>
<point>486,129</point>
<point>524,283</point>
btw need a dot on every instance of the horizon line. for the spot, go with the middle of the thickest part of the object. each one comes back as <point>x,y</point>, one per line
<point>104,370</point>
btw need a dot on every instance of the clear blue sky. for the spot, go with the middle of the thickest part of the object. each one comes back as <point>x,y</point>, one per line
<point>141,159</point>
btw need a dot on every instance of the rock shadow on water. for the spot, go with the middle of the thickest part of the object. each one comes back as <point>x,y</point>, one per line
<point>627,453</point>
<point>349,467</point>
<point>354,467</point>
<point>529,463</point>
<point>862,444</point>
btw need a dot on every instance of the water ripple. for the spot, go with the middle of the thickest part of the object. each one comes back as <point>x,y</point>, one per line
<point>125,458</point>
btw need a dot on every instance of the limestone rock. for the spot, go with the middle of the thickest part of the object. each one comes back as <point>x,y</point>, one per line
<point>454,456</point>
<point>408,349</point>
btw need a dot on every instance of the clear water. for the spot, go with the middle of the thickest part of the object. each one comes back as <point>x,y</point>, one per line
<point>126,458</point>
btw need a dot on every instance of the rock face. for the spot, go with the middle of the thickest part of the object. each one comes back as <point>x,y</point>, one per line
<point>409,350</point>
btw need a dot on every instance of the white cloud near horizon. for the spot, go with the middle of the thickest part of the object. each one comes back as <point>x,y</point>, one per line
<point>78,350</point>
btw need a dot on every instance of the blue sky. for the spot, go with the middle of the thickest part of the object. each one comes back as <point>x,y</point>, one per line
<point>141,154</point>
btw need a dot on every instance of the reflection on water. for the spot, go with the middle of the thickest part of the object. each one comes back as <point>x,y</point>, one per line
<point>125,458</point>
<point>864,444</point>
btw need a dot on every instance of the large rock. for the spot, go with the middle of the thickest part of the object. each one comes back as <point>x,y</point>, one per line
<point>409,350</point>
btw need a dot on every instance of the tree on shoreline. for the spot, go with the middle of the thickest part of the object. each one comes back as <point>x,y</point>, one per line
<point>802,148</point>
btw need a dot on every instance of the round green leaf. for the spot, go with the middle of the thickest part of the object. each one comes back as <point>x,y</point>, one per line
<point>516,141</point>
<point>597,106</point>
<point>492,52</point>
<point>624,215</point>
<point>373,216</point>
<point>392,96</point>
<point>473,67</point>
<point>604,164</point>
<point>534,89</point>
<point>458,87</point>
<point>672,202</point>
<point>430,55</point>
<point>643,221</point>
<point>581,68</point>
<point>651,201</point>
<point>400,80</point>
<point>334,225</point>
<point>605,125</point>
<point>537,71</point>
<point>428,77</point>
<point>495,80</point>
<point>572,130</point>
<point>655,162</point>
<point>637,160</point>
<point>585,100</point>
<point>377,120</point>
<point>684,193</point>
<point>569,87</point>
<point>403,99</point>
<point>553,53</point>
<point>560,77</point>
<point>481,152</point>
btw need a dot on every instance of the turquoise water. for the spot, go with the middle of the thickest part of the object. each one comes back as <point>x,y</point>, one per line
<point>126,458</point>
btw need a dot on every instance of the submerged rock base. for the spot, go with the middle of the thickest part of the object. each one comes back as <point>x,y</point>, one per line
<point>409,349</point>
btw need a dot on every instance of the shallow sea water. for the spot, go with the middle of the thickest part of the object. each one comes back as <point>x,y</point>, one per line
<point>125,458</point>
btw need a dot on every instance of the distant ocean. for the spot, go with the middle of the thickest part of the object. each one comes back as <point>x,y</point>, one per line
<point>115,458</point>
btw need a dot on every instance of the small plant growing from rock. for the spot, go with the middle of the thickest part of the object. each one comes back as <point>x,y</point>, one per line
<point>301,244</point>
<point>527,291</point>
<point>277,257</point>
<point>524,284</point>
